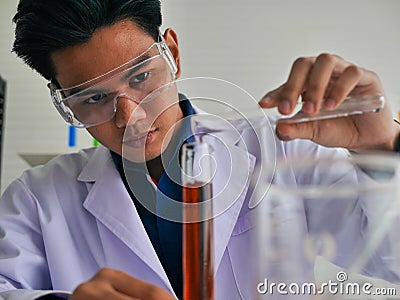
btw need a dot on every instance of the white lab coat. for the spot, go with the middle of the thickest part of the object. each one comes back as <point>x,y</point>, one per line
<point>61,222</point>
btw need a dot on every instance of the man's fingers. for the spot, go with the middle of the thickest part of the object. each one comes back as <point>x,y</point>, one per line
<point>294,86</point>
<point>311,78</point>
<point>98,290</point>
<point>317,83</point>
<point>133,287</point>
<point>287,132</point>
<point>343,86</point>
<point>137,288</point>
<point>271,99</point>
<point>114,284</point>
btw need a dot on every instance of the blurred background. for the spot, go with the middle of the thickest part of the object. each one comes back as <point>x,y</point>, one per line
<point>249,43</point>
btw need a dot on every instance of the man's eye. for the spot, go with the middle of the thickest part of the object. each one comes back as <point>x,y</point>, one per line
<point>96,98</point>
<point>139,78</point>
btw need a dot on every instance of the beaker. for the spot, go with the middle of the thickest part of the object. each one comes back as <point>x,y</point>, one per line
<point>328,228</point>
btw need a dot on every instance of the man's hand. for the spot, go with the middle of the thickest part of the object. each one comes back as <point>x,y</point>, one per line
<point>113,284</point>
<point>326,80</point>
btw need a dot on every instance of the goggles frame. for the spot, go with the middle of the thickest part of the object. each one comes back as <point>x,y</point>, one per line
<point>58,94</point>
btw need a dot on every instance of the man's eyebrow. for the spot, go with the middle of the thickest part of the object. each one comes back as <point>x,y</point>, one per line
<point>144,61</point>
<point>83,92</point>
<point>90,91</point>
<point>140,63</point>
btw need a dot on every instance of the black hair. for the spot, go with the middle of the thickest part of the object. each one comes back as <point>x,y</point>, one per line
<point>44,26</point>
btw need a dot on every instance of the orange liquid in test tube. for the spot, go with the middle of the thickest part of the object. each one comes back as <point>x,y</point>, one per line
<point>198,265</point>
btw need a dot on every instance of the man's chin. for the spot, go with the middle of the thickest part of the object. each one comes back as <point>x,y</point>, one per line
<point>151,156</point>
<point>140,155</point>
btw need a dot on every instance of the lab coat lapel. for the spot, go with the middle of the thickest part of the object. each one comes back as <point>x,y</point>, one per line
<point>230,185</point>
<point>110,203</point>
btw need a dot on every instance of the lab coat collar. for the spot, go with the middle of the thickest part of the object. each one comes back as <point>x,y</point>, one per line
<point>95,165</point>
<point>230,186</point>
<point>114,208</point>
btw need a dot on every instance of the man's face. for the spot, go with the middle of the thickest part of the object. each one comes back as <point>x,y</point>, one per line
<point>109,47</point>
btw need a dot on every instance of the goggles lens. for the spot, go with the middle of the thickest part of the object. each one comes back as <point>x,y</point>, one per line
<point>94,102</point>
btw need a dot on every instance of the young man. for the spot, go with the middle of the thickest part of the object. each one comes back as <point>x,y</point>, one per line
<point>78,225</point>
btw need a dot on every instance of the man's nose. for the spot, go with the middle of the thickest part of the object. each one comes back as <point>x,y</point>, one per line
<point>127,111</point>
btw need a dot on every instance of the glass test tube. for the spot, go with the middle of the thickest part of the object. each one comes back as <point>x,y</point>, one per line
<point>198,254</point>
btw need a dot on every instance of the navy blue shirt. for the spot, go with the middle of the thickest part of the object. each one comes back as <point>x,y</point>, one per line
<point>165,235</point>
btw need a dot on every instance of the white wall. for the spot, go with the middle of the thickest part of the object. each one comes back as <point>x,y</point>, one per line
<point>250,43</point>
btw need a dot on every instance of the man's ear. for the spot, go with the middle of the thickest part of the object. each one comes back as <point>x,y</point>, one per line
<point>172,42</point>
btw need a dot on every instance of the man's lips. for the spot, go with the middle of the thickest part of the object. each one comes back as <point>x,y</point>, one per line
<point>139,140</point>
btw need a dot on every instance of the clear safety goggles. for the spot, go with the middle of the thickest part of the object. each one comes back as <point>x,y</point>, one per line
<point>141,79</point>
